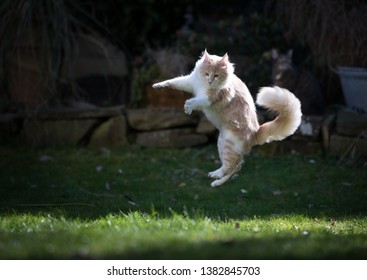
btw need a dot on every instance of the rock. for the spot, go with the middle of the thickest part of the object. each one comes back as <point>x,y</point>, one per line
<point>96,56</point>
<point>288,146</point>
<point>310,127</point>
<point>100,71</point>
<point>326,129</point>
<point>348,146</point>
<point>158,118</point>
<point>51,127</point>
<point>205,127</point>
<point>111,133</point>
<point>171,138</point>
<point>165,98</point>
<point>74,113</point>
<point>48,133</point>
<point>350,123</point>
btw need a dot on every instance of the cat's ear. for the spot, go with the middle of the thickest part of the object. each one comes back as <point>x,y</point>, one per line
<point>290,54</point>
<point>224,61</point>
<point>274,54</point>
<point>206,55</point>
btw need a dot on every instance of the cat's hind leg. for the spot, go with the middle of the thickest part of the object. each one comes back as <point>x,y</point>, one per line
<point>221,181</point>
<point>217,174</point>
<point>231,156</point>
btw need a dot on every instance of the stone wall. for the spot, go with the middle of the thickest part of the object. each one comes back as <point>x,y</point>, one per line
<point>108,127</point>
<point>168,127</point>
<point>342,133</point>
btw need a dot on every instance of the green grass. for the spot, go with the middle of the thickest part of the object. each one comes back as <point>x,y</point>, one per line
<point>136,203</point>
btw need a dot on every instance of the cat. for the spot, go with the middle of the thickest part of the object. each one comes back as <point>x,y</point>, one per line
<point>301,82</point>
<point>229,106</point>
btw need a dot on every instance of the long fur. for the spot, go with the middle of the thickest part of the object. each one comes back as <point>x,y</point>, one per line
<point>289,112</point>
<point>229,106</point>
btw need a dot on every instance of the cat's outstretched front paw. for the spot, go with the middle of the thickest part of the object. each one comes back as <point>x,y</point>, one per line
<point>163,84</point>
<point>189,106</point>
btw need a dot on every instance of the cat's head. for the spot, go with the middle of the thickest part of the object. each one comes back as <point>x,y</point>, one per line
<point>215,69</point>
<point>282,65</point>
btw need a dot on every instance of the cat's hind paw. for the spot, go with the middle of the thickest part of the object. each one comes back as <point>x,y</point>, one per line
<point>217,183</point>
<point>220,181</point>
<point>217,174</point>
<point>214,184</point>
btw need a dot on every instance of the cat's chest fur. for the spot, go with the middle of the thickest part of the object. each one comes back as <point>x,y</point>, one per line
<point>212,115</point>
<point>215,113</point>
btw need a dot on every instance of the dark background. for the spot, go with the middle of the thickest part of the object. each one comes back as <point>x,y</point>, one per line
<point>322,34</point>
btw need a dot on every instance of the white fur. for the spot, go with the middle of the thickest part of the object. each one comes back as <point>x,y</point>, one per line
<point>248,132</point>
<point>289,108</point>
<point>195,83</point>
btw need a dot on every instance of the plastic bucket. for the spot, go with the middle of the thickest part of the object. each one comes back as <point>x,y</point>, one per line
<point>354,83</point>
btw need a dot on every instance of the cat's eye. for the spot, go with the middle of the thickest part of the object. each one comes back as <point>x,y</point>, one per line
<point>216,76</point>
<point>207,74</point>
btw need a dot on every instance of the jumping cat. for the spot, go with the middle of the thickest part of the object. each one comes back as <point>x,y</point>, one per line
<point>228,105</point>
<point>301,82</point>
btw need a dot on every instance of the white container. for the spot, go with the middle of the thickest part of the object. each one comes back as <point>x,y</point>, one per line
<point>354,83</point>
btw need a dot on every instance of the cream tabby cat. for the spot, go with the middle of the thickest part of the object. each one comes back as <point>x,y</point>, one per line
<point>228,105</point>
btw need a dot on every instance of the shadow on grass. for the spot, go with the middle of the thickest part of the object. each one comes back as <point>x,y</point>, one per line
<point>269,247</point>
<point>257,248</point>
<point>88,184</point>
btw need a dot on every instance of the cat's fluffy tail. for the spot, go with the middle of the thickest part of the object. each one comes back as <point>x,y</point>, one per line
<point>288,108</point>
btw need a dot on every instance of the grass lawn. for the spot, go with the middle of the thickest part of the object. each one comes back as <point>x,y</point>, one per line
<point>136,203</point>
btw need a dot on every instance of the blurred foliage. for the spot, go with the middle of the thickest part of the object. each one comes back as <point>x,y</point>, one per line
<point>250,35</point>
<point>333,31</point>
<point>135,23</point>
<point>244,29</point>
<point>246,38</point>
<point>141,77</point>
<point>35,37</point>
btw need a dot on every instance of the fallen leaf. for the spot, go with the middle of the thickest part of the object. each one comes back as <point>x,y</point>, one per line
<point>99,168</point>
<point>45,158</point>
<point>234,176</point>
<point>276,193</point>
